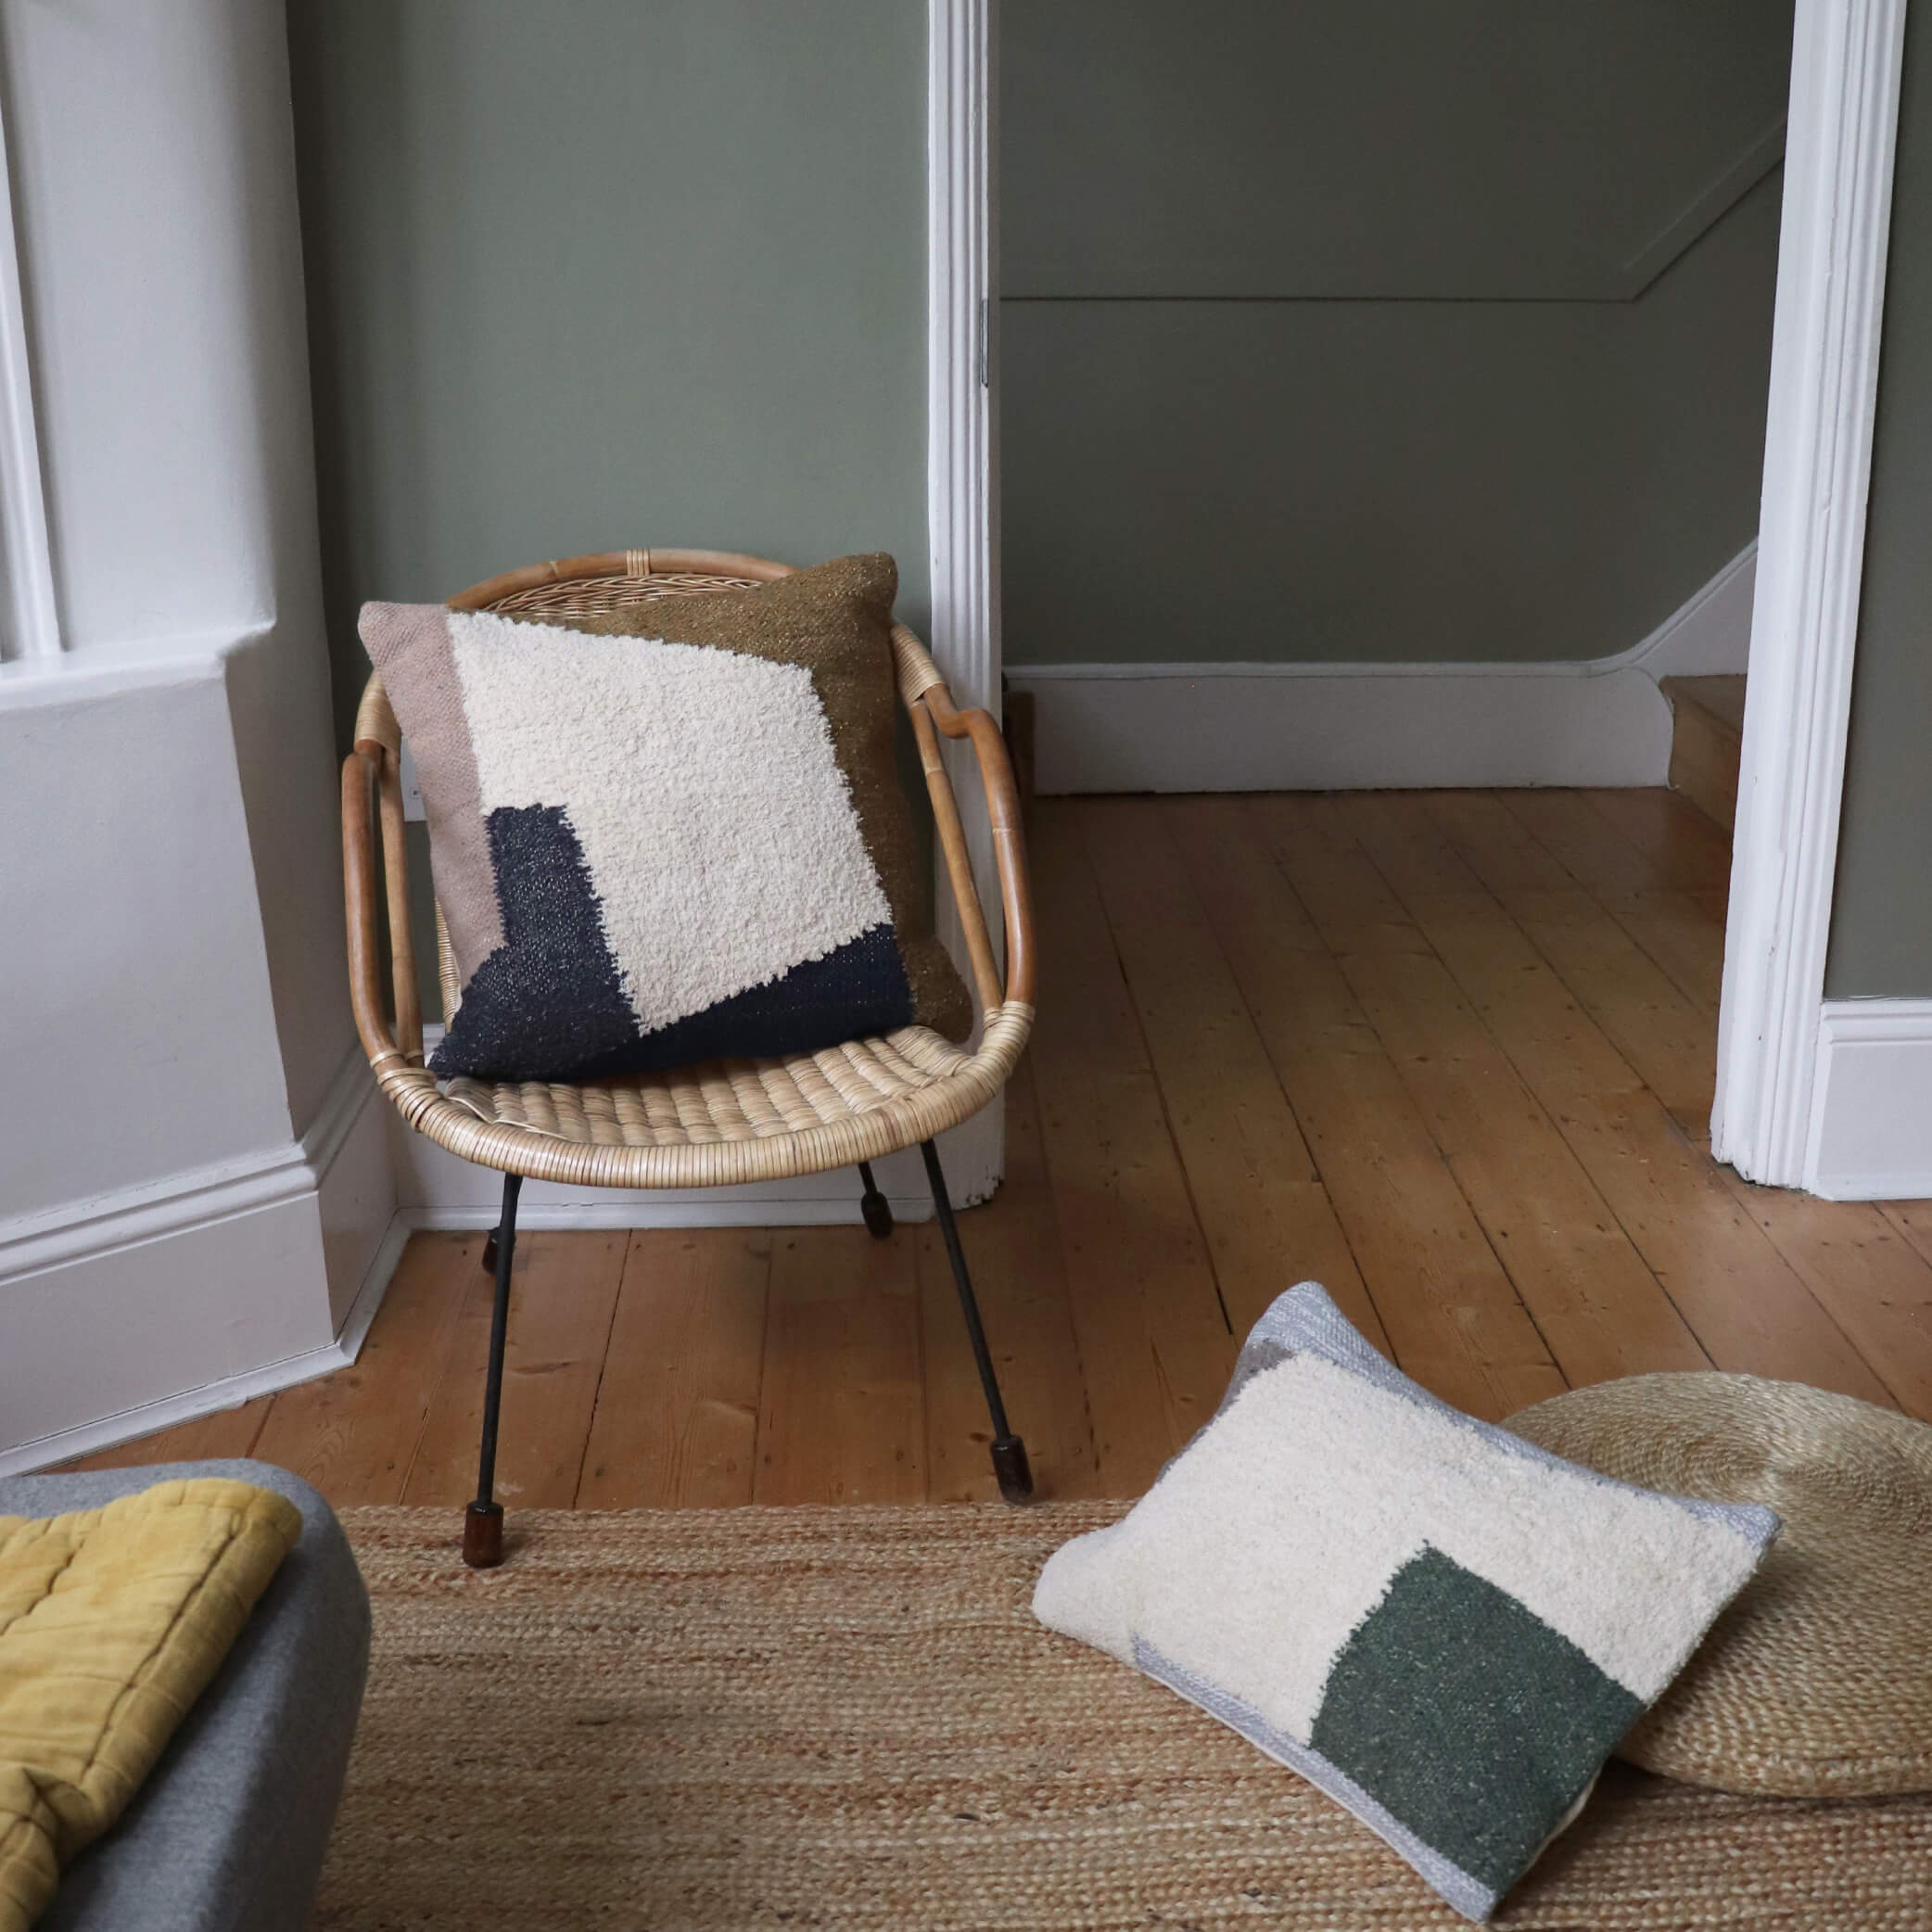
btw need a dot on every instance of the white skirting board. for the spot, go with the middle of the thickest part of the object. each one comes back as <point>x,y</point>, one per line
<point>1872,1110</point>
<point>1340,727</point>
<point>134,1311</point>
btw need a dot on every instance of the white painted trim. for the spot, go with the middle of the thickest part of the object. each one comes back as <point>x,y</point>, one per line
<point>231,1392</point>
<point>1323,727</point>
<point>178,1203</point>
<point>963,455</point>
<point>1871,1130</point>
<point>31,625</point>
<point>962,320</point>
<point>1708,634</point>
<point>1285,727</point>
<point>1847,59</point>
<point>199,1202</point>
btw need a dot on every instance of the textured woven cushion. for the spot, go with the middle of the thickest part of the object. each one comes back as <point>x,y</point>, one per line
<point>112,1621</point>
<point>1443,1627</point>
<point>671,832</point>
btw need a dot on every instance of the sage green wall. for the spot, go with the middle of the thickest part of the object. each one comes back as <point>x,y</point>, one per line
<point>1371,330</point>
<point>1881,922</point>
<point>591,273</point>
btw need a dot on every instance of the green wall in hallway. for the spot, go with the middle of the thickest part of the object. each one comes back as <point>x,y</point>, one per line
<point>592,274</point>
<point>1881,926</point>
<point>1337,332</point>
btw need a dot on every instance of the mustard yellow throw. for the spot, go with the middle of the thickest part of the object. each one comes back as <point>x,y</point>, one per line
<point>112,1621</point>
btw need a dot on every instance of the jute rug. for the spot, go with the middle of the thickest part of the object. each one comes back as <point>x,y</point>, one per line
<point>848,1718</point>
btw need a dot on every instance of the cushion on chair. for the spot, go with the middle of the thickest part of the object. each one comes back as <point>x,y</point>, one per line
<point>1444,1628</point>
<point>670,832</point>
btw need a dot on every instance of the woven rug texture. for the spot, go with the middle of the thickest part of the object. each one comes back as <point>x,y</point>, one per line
<point>848,1718</point>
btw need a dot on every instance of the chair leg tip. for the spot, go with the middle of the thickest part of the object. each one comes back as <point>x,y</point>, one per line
<point>1011,1468</point>
<point>483,1535</point>
<point>877,1211</point>
<point>490,1255</point>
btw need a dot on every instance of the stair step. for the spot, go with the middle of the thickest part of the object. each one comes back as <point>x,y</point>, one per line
<point>1707,742</point>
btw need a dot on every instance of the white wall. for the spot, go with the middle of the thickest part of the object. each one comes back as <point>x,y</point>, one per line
<point>192,1186</point>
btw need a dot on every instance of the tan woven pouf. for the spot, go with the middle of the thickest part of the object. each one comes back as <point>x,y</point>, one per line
<point>1817,1681</point>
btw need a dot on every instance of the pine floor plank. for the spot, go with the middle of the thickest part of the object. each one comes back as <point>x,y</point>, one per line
<point>1914,1220</point>
<point>677,1416</point>
<point>1672,1043</point>
<point>562,1296</point>
<point>353,1434</point>
<point>1667,1039</point>
<point>227,1432</point>
<point>1018,1279</point>
<point>1155,1345</point>
<point>1452,1317</point>
<point>1679,931</point>
<point>1591,849</point>
<point>1307,835</point>
<point>1871,1280</point>
<point>1598,1307</point>
<point>1268,1222</point>
<point>1744,1303</point>
<point>1688,846</point>
<point>841,1412</point>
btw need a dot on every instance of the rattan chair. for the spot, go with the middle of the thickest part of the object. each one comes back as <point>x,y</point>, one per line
<point>724,1122</point>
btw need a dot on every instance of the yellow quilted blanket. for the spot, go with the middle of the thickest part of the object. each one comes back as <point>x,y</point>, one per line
<point>112,1621</point>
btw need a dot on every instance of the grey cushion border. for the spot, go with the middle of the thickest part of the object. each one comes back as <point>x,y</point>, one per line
<point>1469,1896</point>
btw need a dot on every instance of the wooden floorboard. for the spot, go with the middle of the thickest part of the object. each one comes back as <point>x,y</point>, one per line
<point>1012,1249</point>
<point>1449,1053</point>
<point>842,1405</point>
<point>1155,1345</point>
<point>562,1295</point>
<point>1452,1316</point>
<point>675,1422</point>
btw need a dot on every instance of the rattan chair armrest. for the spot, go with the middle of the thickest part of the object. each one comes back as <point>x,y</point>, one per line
<point>1002,793</point>
<point>360,773</point>
<point>372,761</point>
<point>377,730</point>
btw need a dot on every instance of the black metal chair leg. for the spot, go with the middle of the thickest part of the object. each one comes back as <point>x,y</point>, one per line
<point>489,1252</point>
<point>1010,1464</point>
<point>873,1205</point>
<point>483,1520</point>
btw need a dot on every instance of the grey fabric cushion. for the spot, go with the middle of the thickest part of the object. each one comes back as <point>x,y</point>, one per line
<point>228,1834</point>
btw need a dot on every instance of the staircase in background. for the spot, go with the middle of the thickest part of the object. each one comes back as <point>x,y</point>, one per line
<point>1707,736</point>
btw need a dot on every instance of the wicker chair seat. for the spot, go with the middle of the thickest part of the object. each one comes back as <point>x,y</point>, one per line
<point>723,1123</point>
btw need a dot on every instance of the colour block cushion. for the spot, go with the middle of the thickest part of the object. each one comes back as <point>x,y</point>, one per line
<point>672,833</point>
<point>1444,1628</point>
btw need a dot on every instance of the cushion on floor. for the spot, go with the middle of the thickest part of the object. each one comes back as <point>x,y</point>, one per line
<point>1443,1627</point>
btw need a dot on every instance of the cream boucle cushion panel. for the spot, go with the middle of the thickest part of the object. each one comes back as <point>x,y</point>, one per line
<point>722,854</point>
<point>1445,1628</point>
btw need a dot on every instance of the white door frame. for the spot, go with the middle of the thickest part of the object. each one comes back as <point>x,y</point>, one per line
<point>1847,59</point>
<point>1845,65</point>
<point>963,455</point>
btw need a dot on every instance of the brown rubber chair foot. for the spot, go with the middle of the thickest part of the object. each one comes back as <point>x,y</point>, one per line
<point>1012,1469</point>
<point>483,1535</point>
